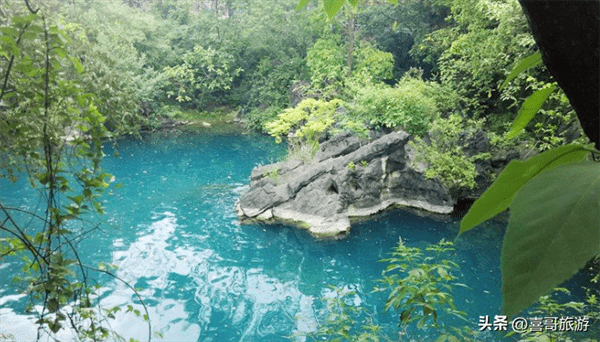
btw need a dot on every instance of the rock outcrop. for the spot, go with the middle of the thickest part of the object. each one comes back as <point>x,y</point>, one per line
<point>347,179</point>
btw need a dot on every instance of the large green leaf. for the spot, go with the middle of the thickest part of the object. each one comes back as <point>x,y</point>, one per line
<point>554,229</point>
<point>302,4</point>
<point>529,108</point>
<point>501,193</point>
<point>333,6</point>
<point>524,64</point>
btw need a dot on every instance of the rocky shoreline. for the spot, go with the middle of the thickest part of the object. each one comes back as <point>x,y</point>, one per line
<point>348,179</point>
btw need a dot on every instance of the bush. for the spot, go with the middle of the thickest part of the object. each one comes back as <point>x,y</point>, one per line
<point>307,121</point>
<point>445,98</point>
<point>402,107</point>
<point>372,65</point>
<point>258,118</point>
<point>420,288</point>
<point>326,63</point>
<point>444,157</point>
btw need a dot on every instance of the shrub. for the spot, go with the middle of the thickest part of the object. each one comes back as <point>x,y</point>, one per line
<point>373,65</point>
<point>309,120</point>
<point>444,157</point>
<point>419,286</point>
<point>258,117</point>
<point>326,62</point>
<point>402,107</point>
<point>445,98</point>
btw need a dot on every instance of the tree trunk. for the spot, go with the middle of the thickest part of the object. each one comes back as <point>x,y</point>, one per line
<point>350,41</point>
<point>568,35</point>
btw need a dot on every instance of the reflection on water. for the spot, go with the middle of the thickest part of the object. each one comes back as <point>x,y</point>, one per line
<point>233,303</point>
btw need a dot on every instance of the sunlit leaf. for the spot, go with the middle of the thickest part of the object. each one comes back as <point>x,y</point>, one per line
<point>9,31</point>
<point>77,64</point>
<point>302,4</point>
<point>522,65</point>
<point>498,197</point>
<point>554,229</point>
<point>332,7</point>
<point>528,110</point>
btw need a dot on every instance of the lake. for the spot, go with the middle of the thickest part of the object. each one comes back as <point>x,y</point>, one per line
<point>172,231</point>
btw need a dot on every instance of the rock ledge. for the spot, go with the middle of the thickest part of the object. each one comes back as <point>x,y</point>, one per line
<point>347,179</point>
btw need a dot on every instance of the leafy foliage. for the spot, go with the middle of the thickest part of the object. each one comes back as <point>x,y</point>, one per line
<point>204,72</point>
<point>444,155</point>
<point>475,53</point>
<point>373,65</point>
<point>122,80</point>
<point>309,120</point>
<point>550,306</point>
<point>400,107</point>
<point>529,108</point>
<point>52,131</point>
<point>346,321</point>
<point>516,174</point>
<point>550,180</point>
<point>552,232</point>
<point>326,62</point>
<point>419,285</point>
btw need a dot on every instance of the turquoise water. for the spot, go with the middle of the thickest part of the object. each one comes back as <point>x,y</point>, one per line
<point>172,231</point>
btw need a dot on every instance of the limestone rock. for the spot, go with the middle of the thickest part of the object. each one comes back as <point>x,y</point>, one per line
<point>347,179</point>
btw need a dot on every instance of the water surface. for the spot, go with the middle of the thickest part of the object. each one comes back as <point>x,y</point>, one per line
<point>172,231</point>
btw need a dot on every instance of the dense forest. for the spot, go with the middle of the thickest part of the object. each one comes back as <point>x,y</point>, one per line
<point>78,73</point>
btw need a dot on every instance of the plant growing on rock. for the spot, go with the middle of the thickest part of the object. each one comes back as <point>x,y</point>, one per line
<point>444,155</point>
<point>304,125</point>
<point>403,106</point>
<point>273,173</point>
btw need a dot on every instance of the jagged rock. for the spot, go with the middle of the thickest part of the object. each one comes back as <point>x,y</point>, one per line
<point>344,181</point>
<point>476,143</point>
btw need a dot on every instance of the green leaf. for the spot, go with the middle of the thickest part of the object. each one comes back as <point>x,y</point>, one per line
<point>77,64</point>
<point>302,4</point>
<point>333,6</point>
<point>52,305</point>
<point>9,31</point>
<point>353,2</point>
<point>553,230</point>
<point>405,316</point>
<point>54,327</point>
<point>522,65</point>
<point>528,110</point>
<point>501,193</point>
